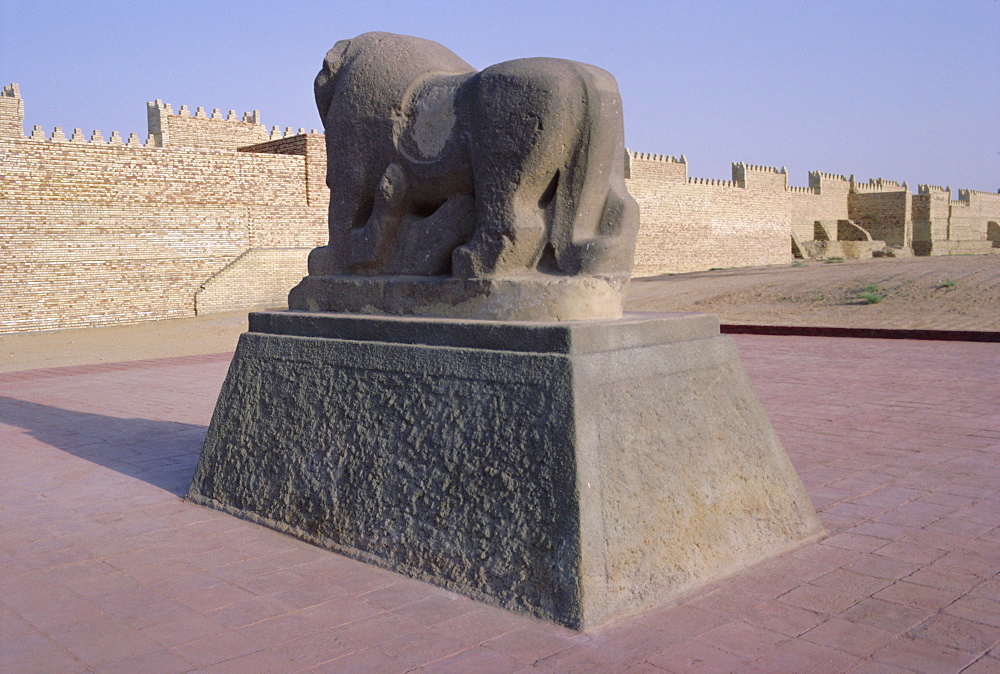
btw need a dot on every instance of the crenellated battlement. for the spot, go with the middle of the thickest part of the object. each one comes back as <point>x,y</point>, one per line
<point>166,128</point>
<point>712,182</point>
<point>760,177</point>
<point>289,132</point>
<point>199,129</point>
<point>96,138</point>
<point>820,175</point>
<point>964,195</point>
<point>165,109</point>
<point>835,181</point>
<point>756,168</point>
<point>646,156</point>
<point>879,185</point>
<point>649,166</point>
<point>928,189</point>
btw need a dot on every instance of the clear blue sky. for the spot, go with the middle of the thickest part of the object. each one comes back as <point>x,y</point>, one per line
<point>904,90</point>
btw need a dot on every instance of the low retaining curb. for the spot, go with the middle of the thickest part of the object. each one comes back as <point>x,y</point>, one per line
<point>864,333</point>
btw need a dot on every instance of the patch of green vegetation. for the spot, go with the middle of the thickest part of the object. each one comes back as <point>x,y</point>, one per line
<point>871,295</point>
<point>798,263</point>
<point>947,284</point>
<point>833,260</point>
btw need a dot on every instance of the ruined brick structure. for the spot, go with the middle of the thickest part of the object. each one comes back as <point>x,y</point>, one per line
<point>214,212</point>
<point>690,224</point>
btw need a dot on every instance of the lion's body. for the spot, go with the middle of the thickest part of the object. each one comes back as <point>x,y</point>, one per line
<point>512,170</point>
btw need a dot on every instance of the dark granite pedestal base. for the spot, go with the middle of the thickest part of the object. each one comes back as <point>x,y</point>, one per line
<point>575,471</point>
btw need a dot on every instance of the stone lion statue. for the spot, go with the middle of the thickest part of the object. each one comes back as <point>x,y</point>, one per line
<point>449,186</point>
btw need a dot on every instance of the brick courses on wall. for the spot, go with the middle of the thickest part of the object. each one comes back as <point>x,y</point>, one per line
<point>214,212</point>
<point>943,226</point>
<point>885,209</point>
<point>312,146</point>
<point>97,233</point>
<point>260,277</point>
<point>688,224</point>
<point>824,201</point>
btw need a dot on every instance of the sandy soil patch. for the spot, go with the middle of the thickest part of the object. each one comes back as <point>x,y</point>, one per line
<point>959,292</point>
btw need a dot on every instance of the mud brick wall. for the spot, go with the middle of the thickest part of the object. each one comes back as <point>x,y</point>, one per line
<point>970,214</point>
<point>695,224</point>
<point>71,264</point>
<point>213,212</point>
<point>931,209</point>
<point>824,201</point>
<point>68,171</point>
<point>183,130</point>
<point>96,233</point>
<point>887,215</point>
<point>312,146</point>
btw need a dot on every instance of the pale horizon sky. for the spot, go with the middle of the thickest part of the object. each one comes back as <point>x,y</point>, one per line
<point>897,89</point>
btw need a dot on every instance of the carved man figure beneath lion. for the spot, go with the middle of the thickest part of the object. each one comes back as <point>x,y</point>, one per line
<point>436,170</point>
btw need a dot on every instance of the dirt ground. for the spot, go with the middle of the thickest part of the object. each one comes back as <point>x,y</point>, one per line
<point>950,293</point>
<point>960,292</point>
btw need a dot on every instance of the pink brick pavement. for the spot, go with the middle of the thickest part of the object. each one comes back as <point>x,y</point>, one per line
<point>106,568</point>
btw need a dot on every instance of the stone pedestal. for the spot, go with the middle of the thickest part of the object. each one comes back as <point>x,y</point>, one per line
<point>532,297</point>
<point>575,471</point>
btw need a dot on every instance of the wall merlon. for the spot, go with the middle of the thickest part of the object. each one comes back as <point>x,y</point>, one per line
<point>11,112</point>
<point>927,189</point>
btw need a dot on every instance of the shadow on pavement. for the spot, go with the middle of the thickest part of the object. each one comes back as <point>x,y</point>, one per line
<point>162,453</point>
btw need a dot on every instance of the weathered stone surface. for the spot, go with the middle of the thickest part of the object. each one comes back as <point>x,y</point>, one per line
<point>514,175</point>
<point>536,297</point>
<point>574,471</point>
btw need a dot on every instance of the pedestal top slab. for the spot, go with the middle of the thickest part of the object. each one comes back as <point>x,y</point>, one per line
<point>633,330</point>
